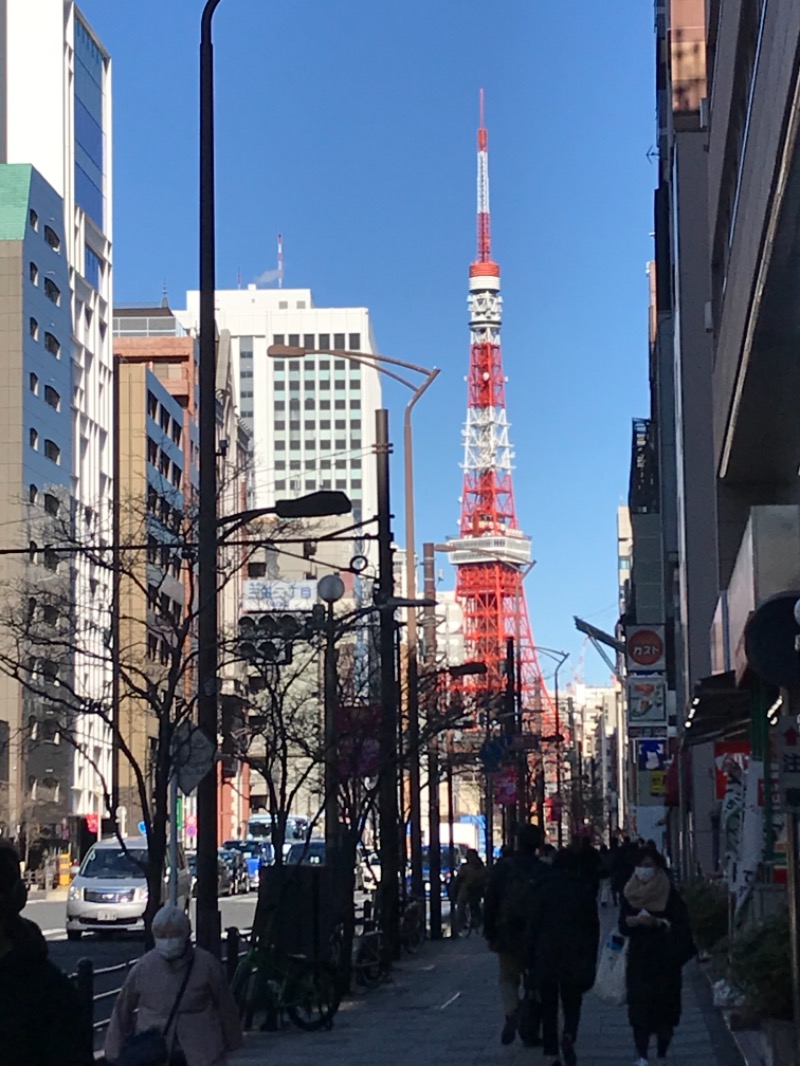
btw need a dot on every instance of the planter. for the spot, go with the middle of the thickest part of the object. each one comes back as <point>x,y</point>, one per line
<point>779,1043</point>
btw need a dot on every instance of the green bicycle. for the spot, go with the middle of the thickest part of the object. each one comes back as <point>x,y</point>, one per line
<point>268,984</point>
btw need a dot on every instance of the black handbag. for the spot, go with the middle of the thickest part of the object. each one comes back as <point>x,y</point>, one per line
<point>150,1048</point>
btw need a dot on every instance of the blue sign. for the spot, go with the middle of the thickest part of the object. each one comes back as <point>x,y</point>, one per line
<point>142,827</point>
<point>652,754</point>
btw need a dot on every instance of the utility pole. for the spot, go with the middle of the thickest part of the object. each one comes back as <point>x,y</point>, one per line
<point>509,723</point>
<point>389,765</point>
<point>434,841</point>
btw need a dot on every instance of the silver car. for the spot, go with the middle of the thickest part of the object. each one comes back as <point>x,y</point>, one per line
<point>109,892</point>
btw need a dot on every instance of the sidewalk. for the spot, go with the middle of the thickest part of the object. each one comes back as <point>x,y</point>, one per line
<point>442,1007</point>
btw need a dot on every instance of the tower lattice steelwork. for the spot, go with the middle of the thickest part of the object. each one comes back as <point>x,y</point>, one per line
<point>492,554</point>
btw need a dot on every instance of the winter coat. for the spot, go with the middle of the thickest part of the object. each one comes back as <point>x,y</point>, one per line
<point>564,933</point>
<point>207,1024</point>
<point>656,957</point>
<point>41,1023</point>
<point>495,928</point>
<point>470,882</point>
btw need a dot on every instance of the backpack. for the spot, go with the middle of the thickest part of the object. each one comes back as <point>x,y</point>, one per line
<point>518,900</point>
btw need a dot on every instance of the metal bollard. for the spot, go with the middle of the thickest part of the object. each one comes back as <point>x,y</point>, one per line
<point>84,986</point>
<point>232,951</point>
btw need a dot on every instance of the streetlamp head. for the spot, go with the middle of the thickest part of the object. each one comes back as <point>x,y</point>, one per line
<point>286,351</point>
<point>315,505</point>
<point>330,588</point>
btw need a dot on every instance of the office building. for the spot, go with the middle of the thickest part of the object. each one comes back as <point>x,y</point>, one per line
<point>51,59</point>
<point>312,419</point>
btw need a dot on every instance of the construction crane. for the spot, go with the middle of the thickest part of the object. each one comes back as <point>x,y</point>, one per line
<point>600,641</point>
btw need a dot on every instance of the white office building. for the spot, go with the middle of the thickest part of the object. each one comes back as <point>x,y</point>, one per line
<point>55,114</point>
<point>312,419</point>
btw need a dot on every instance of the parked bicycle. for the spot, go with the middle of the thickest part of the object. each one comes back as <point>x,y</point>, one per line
<point>269,984</point>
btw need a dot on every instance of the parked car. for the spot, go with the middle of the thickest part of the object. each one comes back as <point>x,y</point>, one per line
<point>446,874</point>
<point>109,892</point>
<point>237,868</point>
<point>308,853</point>
<point>368,871</point>
<point>224,878</point>
<point>256,853</point>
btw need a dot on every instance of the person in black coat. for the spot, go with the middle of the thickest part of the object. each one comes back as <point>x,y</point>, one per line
<point>655,917</point>
<point>563,940</point>
<point>40,1016</point>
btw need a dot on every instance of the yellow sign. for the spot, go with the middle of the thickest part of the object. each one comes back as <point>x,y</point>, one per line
<point>658,783</point>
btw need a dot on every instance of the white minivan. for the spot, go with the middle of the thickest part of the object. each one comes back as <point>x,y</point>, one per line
<point>109,892</point>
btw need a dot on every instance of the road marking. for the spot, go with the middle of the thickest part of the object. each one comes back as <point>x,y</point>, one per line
<point>54,934</point>
<point>448,1002</point>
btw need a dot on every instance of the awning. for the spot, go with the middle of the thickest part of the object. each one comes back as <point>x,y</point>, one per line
<point>719,710</point>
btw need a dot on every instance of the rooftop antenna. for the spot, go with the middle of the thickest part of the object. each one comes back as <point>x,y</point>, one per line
<point>280,261</point>
<point>239,278</point>
<point>164,294</point>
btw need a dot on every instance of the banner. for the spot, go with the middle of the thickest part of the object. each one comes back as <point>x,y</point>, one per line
<point>729,754</point>
<point>752,838</point>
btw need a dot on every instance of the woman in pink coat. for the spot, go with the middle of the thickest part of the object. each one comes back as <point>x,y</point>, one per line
<point>206,1026</point>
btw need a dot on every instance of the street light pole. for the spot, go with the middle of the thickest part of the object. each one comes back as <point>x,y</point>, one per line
<point>208,918</point>
<point>388,765</point>
<point>434,817</point>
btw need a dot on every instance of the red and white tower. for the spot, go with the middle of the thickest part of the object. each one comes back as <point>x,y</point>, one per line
<point>492,554</point>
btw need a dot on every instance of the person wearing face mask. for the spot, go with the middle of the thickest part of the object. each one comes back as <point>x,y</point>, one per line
<point>655,917</point>
<point>40,1016</point>
<point>180,991</point>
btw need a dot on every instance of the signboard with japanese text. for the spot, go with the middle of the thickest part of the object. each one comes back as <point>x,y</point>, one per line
<point>787,752</point>
<point>728,756</point>
<point>645,650</point>
<point>264,594</point>
<point>646,703</point>
<point>658,783</point>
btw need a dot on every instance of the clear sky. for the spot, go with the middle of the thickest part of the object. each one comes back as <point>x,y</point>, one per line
<point>349,125</point>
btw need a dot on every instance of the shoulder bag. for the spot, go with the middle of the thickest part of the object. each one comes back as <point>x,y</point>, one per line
<point>150,1048</point>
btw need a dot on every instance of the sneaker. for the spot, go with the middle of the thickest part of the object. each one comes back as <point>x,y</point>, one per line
<point>509,1029</point>
<point>568,1050</point>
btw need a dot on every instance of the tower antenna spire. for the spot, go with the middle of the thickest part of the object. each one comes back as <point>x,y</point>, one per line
<point>484,214</point>
<point>280,261</point>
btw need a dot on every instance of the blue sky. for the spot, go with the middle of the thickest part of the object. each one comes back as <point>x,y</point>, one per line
<point>349,125</point>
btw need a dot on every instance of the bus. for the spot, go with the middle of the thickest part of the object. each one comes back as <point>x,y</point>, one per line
<point>297,827</point>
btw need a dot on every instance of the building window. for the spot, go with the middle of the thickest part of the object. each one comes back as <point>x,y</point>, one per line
<point>355,384</point>
<point>280,405</point>
<point>341,444</point>
<point>311,445</point>
<point>341,484</point>
<point>278,338</point>
<point>256,569</point>
<point>52,345</point>
<point>34,274</point>
<point>245,375</point>
<point>52,452</point>
<point>338,340</point>
<point>309,424</point>
<point>310,385</point>
<point>33,326</point>
<point>355,483</point>
<point>52,397</point>
<point>300,305</point>
<point>294,342</point>
<point>280,486</point>
<point>341,464</point>
<point>294,445</point>
<point>50,560</point>
<point>294,464</point>
<point>33,437</point>
<point>325,445</point>
<point>281,464</point>
<point>309,404</point>
<point>33,552</point>
<point>340,423</point>
<point>339,364</point>
<point>165,419</point>
<point>52,291</point>
<point>354,342</point>
<point>324,341</point>
<point>280,425</point>
<point>163,465</point>
<point>294,386</point>
<point>152,452</point>
<point>280,445</point>
<point>356,464</point>
<point>33,494</point>
<point>280,386</point>
<point>355,405</point>
<point>325,464</point>
<point>33,218</point>
<point>246,394</point>
<point>176,433</point>
<point>33,381</point>
<point>152,406</point>
<point>52,238</point>
<point>339,405</point>
<point>92,268</point>
<point>324,405</point>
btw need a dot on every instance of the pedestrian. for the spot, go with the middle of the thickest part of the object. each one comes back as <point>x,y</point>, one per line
<point>605,876</point>
<point>178,991</point>
<point>41,1023</point>
<point>622,867</point>
<point>510,899</point>
<point>468,889</point>
<point>655,918</point>
<point>563,939</point>
<point>589,861</point>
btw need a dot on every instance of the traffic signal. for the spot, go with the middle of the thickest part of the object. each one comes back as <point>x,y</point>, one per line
<point>268,638</point>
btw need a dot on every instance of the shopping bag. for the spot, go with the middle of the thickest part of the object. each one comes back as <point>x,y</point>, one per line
<point>609,985</point>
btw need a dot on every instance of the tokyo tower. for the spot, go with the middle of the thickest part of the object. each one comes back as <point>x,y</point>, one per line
<point>492,555</point>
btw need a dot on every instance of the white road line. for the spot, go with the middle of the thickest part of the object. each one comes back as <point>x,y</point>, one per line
<point>450,1001</point>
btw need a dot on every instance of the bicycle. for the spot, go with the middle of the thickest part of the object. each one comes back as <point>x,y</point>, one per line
<point>272,983</point>
<point>412,928</point>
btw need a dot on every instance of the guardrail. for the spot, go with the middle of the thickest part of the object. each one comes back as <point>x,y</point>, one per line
<point>85,977</point>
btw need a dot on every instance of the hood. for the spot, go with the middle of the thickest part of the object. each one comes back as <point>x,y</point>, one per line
<point>29,947</point>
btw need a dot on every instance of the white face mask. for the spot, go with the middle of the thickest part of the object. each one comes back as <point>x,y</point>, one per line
<point>645,873</point>
<point>171,947</point>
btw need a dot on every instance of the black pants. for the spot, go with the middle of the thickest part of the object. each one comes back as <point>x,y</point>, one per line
<point>641,1038</point>
<point>571,1000</point>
